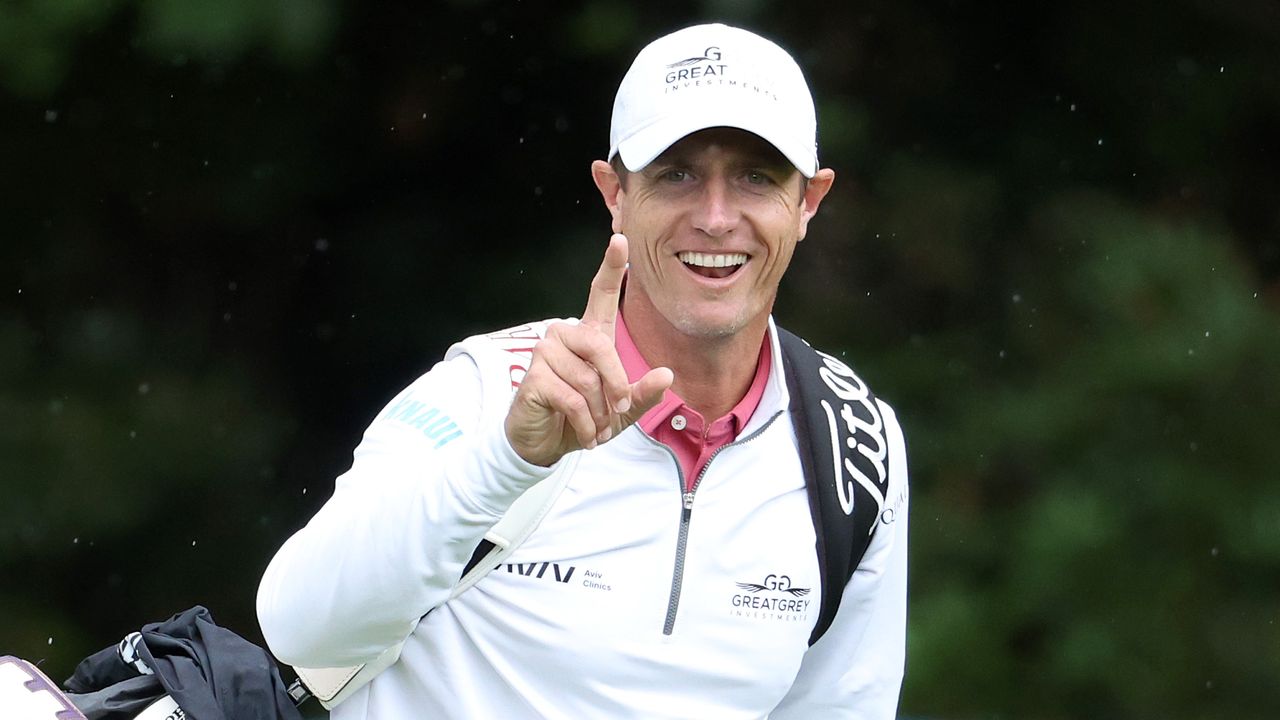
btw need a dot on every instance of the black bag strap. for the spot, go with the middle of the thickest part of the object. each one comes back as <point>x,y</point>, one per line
<point>844,452</point>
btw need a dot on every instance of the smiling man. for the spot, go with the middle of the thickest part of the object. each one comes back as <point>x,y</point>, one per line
<point>669,507</point>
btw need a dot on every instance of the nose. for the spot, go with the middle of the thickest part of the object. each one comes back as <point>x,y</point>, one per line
<point>717,214</point>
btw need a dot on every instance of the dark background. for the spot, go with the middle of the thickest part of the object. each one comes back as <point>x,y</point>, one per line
<point>232,231</point>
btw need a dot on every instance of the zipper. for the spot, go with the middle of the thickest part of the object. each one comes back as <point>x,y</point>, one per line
<point>686,515</point>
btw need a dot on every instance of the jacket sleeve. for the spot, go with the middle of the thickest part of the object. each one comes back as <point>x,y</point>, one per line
<point>855,669</point>
<point>432,474</point>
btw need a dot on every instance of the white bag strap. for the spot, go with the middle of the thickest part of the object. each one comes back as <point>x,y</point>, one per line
<point>333,685</point>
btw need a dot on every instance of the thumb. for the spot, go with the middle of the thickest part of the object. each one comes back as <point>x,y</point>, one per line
<point>647,393</point>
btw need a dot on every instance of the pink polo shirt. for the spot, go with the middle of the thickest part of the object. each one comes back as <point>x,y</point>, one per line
<point>680,427</point>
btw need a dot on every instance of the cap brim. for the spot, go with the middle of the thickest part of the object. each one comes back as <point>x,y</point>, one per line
<point>642,146</point>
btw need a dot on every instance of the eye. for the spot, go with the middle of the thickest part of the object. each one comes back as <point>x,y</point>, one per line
<point>757,177</point>
<point>674,175</point>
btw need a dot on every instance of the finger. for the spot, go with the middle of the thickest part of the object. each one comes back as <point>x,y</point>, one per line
<point>593,346</point>
<point>606,287</point>
<point>580,375</point>
<point>646,393</point>
<point>562,398</point>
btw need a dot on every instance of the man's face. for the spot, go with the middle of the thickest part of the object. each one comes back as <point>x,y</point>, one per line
<point>712,225</point>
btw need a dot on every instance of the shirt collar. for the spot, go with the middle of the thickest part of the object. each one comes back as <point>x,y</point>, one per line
<point>635,366</point>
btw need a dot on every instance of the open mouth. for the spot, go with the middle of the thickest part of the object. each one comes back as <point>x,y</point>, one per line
<point>713,266</point>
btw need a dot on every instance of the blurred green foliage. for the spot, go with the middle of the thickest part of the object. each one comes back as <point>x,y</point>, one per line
<point>232,231</point>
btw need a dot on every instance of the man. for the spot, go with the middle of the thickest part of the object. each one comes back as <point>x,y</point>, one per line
<point>675,574</point>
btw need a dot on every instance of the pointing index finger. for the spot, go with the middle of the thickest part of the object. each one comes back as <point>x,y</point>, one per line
<point>606,287</point>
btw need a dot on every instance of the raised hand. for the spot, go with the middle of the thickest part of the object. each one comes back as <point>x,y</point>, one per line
<point>576,393</point>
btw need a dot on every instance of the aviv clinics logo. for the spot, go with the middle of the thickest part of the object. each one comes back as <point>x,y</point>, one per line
<point>775,598</point>
<point>555,572</point>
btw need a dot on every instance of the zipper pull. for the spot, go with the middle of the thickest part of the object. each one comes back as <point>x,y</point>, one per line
<point>688,501</point>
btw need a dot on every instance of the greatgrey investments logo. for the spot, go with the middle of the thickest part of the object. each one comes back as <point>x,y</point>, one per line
<point>781,583</point>
<point>775,598</point>
<point>698,68</point>
<point>711,53</point>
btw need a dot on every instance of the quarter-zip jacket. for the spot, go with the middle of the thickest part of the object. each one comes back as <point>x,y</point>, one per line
<point>633,598</point>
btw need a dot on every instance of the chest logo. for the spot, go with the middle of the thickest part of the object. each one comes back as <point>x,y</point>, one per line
<point>775,599</point>
<point>780,583</point>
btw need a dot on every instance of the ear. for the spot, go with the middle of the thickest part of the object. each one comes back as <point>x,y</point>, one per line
<point>814,191</point>
<point>610,187</point>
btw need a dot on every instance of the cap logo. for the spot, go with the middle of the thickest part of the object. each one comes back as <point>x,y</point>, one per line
<point>707,70</point>
<point>711,53</point>
<point>706,65</point>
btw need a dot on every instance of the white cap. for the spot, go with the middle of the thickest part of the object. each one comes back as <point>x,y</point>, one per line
<point>713,76</point>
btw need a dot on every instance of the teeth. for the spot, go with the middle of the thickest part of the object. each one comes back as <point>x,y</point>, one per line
<point>708,260</point>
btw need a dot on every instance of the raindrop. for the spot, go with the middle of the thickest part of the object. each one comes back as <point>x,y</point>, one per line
<point>1206,333</point>
<point>144,388</point>
<point>1003,354</point>
<point>322,244</point>
<point>193,543</point>
<point>75,541</point>
<point>1208,684</point>
<point>1255,295</point>
<point>1191,352</point>
<point>233,286</point>
<point>51,641</point>
<point>50,116</point>
<point>424,116</point>
<point>1194,446</point>
<point>1099,141</point>
<point>1073,107</point>
<point>1214,552</point>
<point>1017,298</point>
<point>133,434</point>
<point>304,491</point>
<point>226,317</point>
<point>1222,68</point>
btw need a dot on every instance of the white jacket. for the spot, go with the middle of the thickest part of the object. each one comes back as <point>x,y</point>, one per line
<point>623,603</point>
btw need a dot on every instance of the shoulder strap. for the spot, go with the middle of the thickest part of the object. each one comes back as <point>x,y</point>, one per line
<point>844,452</point>
<point>333,685</point>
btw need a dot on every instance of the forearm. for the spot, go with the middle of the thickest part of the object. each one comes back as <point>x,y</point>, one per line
<point>392,541</point>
